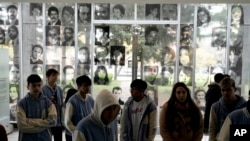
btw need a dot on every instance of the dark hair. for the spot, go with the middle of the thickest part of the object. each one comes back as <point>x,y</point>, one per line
<point>37,46</point>
<point>2,32</point>
<point>242,13</point>
<point>17,89</point>
<point>190,54</point>
<point>67,67</point>
<point>37,66</point>
<point>84,79</point>
<point>49,72</point>
<point>11,6</point>
<point>70,93</point>
<point>116,88</point>
<point>120,7</point>
<point>33,78</point>
<point>218,77</point>
<point>35,5</point>
<point>89,13</point>
<point>203,9</point>
<point>139,83</point>
<point>97,78</point>
<point>194,111</point>
<point>228,82</point>
<point>52,8</point>
<point>149,29</point>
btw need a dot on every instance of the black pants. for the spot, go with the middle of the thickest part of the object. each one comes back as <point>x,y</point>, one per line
<point>68,137</point>
<point>56,133</point>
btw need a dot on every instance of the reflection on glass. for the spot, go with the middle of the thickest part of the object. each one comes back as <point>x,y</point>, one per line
<point>152,93</point>
<point>83,55</point>
<point>204,17</point>
<point>151,35</point>
<point>53,35</point>
<point>185,75</point>
<point>152,12</point>
<point>102,11</point>
<point>186,55</point>
<point>117,55</point>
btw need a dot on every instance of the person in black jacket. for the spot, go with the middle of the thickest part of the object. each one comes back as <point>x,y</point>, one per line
<point>213,94</point>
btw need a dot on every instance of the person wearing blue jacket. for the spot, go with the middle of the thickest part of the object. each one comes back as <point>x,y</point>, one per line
<point>35,113</point>
<point>79,105</point>
<point>55,94</point>
<point>100,124</point>
<point>226,104</point>
<point>139,116</point>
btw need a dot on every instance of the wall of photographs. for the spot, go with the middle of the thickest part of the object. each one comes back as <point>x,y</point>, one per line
<point>173,42</point>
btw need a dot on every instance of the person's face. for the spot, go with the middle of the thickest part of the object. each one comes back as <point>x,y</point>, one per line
<point>236,14</point>
<point>109,114</point>
<point>169,11</point>
<point>53,37</point>
<point>2,38</point>
<point>13,110</point>
<point>200,95</point>
<point>83,56</point>
<point>181,94</point>
<point>37,52</point>
<point>227,91</point>
<point>68,35</point>
<point>184,57</point>
<point>151,38</point>
<point>99,33</point>
<point>83,13</point>
<point>52,78</point>
<point>168,58</point>
<point>117,14</point>
<point>84,88</point>
<point>117,93</point>
<point>14,74</point>
<point>184,77</point>
<point>53,16</point>
<point>101,74</point>
<point>151,94</point>
<point>219,37</point>
<point>12,33</point>
<point>69,74</point>
<point>233,58</point>
<point>35,88</point>
<point>38,70</point>
<point>102,12</point>
<point>36,12</point>
<point>12,13</point>
<point>67,16</point>
<point>101,52</point>
<point>13,93</point>
<point>203,17</point>
<point>137,94</point>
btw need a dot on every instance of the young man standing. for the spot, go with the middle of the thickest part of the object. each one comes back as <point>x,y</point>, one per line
<point>78,106</point>
<point>100,123</point>
<point>226,104</point>
<point>139,117</point>
<point>35,113</point>
<point>55,94</point>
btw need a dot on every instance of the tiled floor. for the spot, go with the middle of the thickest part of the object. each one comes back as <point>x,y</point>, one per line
<point>14,137</point>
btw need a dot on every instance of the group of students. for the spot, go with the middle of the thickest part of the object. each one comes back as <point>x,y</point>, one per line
<point>42,112</point>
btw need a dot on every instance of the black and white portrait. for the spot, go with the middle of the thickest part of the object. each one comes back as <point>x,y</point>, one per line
<point>151,35</point>
<point>186,35</point>
<point>37,69</point>
<point>219,36</point>
<point>152,12</point>
<point>83,69</point>
<point>101,55</point>
<point>68,16</point>
<point>52,35</point>
<point>84,13</point>
<point>118,12</point>
<point>102,11</point>
<point>14,74</point>
<point>35,9</point>
<point>69,73</point>
<point>102,35</point>
<point>36,56</point>
<point>68,37</point>
<point>53,14</point>
<point>169,12</point>
<point>152,92</point>
<point>2,36</point>
<point>83,55</point>
<point>117,55</point>
<point>12,15</point>
<point>101,76</point>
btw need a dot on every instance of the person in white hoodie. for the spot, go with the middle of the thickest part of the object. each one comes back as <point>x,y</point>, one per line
<point>100,124</point>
